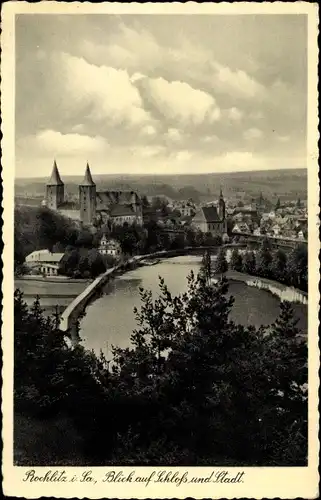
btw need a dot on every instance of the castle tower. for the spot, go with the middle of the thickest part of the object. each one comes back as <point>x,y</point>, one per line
<point>55,189</point>
<point>87,198</point>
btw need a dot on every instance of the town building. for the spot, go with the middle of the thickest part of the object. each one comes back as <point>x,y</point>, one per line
<point>44,262</point>
<point>114,206</point>
<point>241,227</point>
<point>211,219</point>
<point>109,246</point>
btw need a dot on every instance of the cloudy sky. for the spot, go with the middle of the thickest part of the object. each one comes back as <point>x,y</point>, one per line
<point>160,94</point>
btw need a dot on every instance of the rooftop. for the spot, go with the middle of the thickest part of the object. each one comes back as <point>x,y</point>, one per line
<point>210,214</point>
<point>122,211</point>
<point>88,180</point>
<point>55,179</point>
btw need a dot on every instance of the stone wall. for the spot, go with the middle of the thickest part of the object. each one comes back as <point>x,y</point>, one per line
<point>283,292</point>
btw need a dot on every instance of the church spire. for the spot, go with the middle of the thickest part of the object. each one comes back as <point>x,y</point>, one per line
<point>221,193</point>
<point>55,179</point>
<point>88,180</point>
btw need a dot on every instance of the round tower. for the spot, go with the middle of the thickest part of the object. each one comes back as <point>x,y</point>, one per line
<point>87,198</point>
<point>55,189</point>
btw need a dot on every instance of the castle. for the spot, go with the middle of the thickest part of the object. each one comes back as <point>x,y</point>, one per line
<point>116,207</point>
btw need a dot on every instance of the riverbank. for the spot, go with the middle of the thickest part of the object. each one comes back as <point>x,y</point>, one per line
<point>71,314</point>
<point>50,279</point>
<point>77,306</point>
<point>282,291</point>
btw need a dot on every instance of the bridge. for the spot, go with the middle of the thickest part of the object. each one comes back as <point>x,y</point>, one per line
<point>275,241</point>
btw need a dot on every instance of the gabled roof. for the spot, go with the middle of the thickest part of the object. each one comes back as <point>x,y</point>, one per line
<point>107,198</point>
<point>210,214</point>
<point>44,256</point>
<point>122,211</point>
<point>55,179</point>
<point>88,180</point>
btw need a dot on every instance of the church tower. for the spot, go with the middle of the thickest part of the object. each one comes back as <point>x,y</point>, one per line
<point>87,198</point>
<point>55,189</point>
<point>222,212</point>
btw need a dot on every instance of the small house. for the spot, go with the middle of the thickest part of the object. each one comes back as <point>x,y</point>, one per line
<point>109,246</point>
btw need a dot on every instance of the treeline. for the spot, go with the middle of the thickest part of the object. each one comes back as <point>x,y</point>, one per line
<point>193,388</point>
<point>288,268</point>
<point>39,228</point>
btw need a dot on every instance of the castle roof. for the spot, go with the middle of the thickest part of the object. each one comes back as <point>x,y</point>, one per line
<point>88,180</point>
<point>106,199</point>
<point>55,179</point>
<point>122,211</point>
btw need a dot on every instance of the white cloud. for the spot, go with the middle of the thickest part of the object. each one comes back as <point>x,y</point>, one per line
<point>252,134</point>
<point>136,77</point>
<point>209,138</point>
<point>147,151</point>
<point>54,143</point>
<point>236,82</point>
<point>177,101</point>
<point>80,127</point>
<point>256,115</point>
<point>183,156</point>
<point>174,134</point>
<point>107,91</point>
<point>235,114</point>
<point>148,130</point>
<point>283,138</point>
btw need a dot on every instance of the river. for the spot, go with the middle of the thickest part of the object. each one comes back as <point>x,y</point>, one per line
<point>110,320</point>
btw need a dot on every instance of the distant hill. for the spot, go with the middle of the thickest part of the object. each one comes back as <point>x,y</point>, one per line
<point>283,184</point>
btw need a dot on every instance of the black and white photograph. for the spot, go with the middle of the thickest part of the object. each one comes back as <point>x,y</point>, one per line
<point>162,261</point>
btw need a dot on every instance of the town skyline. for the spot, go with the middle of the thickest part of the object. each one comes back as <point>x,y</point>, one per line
<point>207,94</point>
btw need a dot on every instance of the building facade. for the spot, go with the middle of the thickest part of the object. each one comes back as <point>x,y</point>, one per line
<point>44,262</point>
<point>210,219</point>
<point>114,207</point>
<point>109,246</point>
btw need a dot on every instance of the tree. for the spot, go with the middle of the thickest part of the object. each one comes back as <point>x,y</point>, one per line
<point>298,203</point>
<point>264,259</point>
<point>287,363</point>
<point>249,263</point>
<point>96,263</point>
<point>85,239</point>
<point>278,204</point>
<point>236,260</point>
<point>221,265</point>
<point>278,266</point>
<point>193,388</point>
<point>233,390</point>
<point>206,267</point>
<point>69,263</point>
<point>297,267</point>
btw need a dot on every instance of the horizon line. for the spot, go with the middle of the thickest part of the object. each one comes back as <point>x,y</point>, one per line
<point>172,173</point>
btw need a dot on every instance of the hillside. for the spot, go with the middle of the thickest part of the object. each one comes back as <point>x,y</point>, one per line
<point>284,184</point>
<point>37,228</point>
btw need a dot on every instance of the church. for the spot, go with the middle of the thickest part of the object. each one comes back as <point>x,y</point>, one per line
<point>212,219</point>
<point>116,207</point>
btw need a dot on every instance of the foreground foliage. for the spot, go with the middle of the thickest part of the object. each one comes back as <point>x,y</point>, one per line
<point>193,388</point>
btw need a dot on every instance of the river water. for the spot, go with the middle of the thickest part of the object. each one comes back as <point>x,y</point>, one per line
<point>110,318</point>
